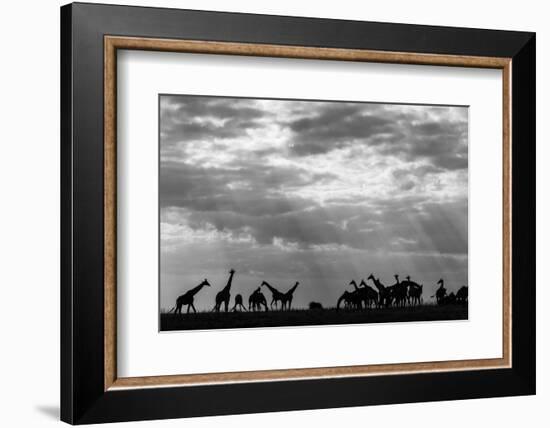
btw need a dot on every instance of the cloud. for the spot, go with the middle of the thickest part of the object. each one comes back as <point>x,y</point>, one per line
<point>252,190</point>
<point>190,118</point>
<point>411,132</point>
<point>338,125</point>
<point>202,107</point>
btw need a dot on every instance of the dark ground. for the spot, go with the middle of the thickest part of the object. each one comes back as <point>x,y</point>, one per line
<point>302,317</point>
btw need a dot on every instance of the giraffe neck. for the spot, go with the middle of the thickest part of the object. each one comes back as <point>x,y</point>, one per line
<point>289,292</point>
<point>195,290</point>
<point>273,290</point>
<point>229,281</point>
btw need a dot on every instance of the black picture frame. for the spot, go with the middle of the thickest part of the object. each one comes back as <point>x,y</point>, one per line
<point>83,396</point>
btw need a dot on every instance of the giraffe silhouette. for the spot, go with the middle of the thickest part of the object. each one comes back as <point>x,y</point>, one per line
<point>462,294</point>
<point>390,298</point>
<point>289,294</point>
<point>414,291</point>
<point>369,293</point>
<point>238,303</point>
<point>398,292</point>
<point>415,294</point>
<point>384,298</point>
<point>224,295</point>
<point>441,292</point>
<point>188,298</point>
<point>257,300</point>
<point>362,298</point>
<point>350,299</point>
<point>277,296</point>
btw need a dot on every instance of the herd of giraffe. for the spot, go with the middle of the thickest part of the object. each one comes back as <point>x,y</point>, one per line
<point>256,301</point>
<point>400,294</point>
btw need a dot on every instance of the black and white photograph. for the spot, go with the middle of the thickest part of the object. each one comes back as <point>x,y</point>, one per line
<point>279,212</point>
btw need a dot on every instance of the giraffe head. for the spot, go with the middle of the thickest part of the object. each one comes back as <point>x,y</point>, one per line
<point>232,271</point>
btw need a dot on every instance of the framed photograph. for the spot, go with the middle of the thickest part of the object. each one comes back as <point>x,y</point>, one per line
<point>266,213</point>
<point>289,191</point>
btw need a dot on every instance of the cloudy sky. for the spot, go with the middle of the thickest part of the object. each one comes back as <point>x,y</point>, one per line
<point>309,191</point>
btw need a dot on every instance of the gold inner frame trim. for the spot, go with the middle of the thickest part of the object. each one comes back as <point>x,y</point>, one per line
<point>113,43</point>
